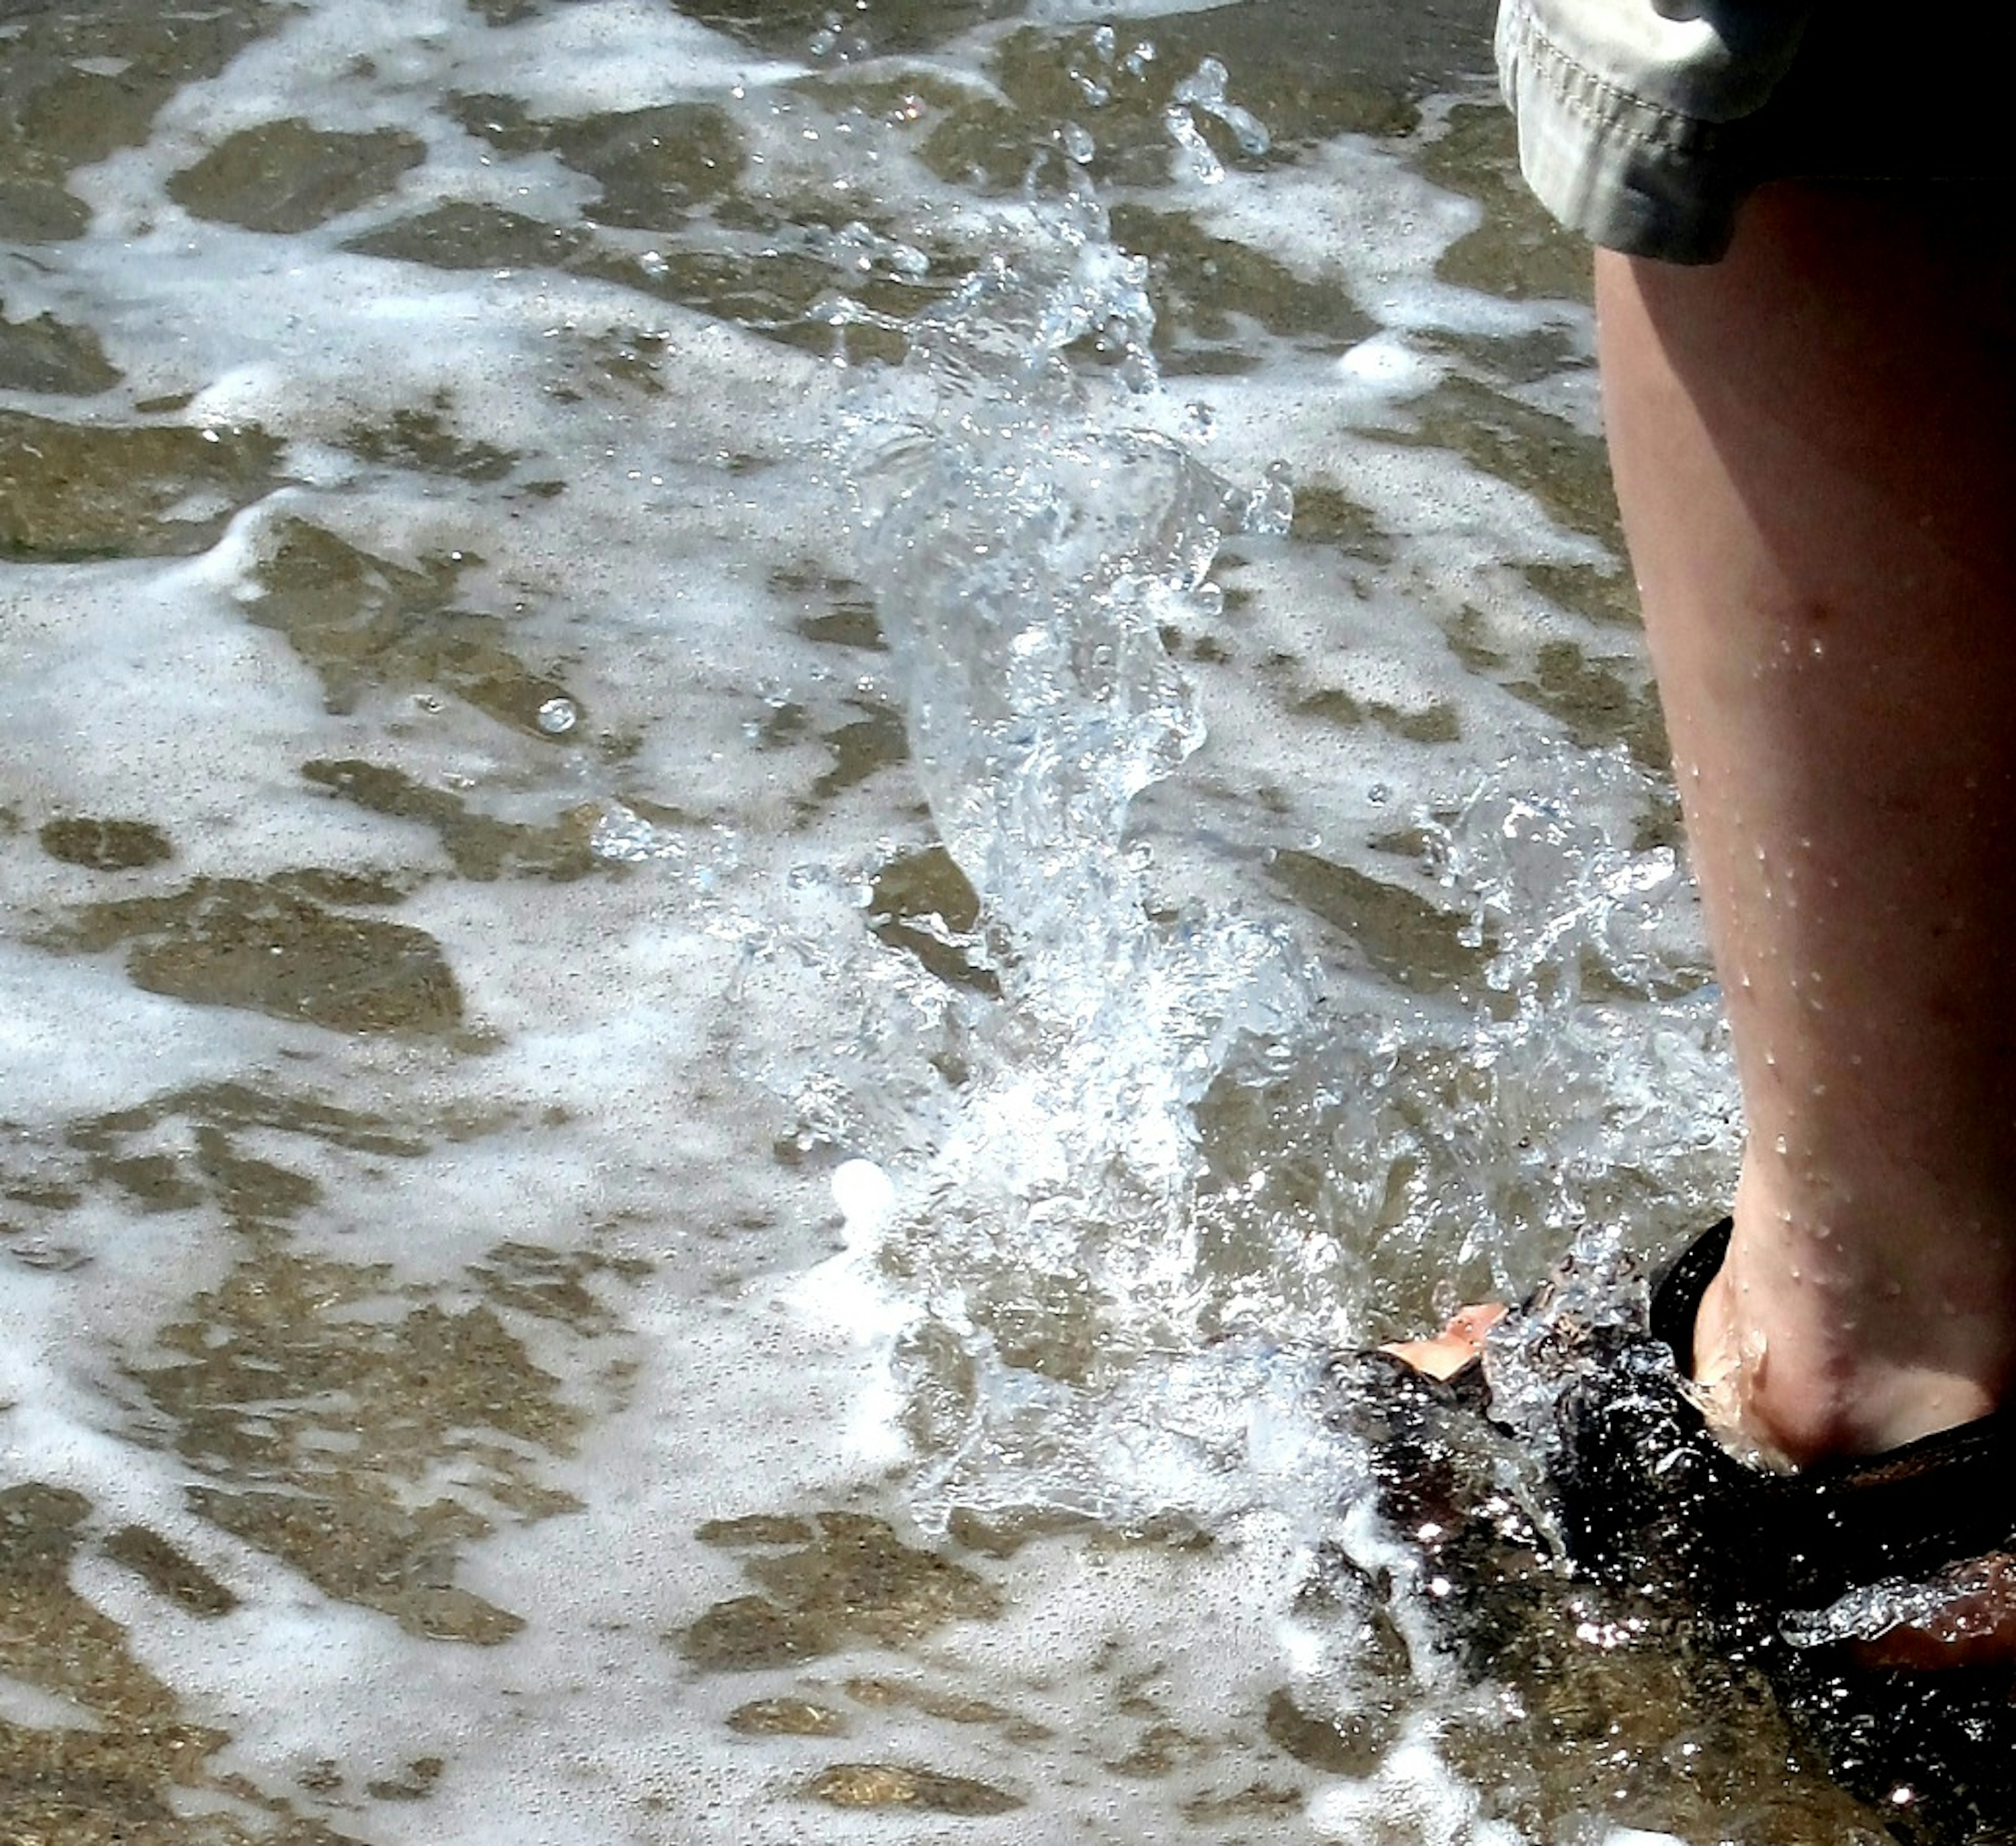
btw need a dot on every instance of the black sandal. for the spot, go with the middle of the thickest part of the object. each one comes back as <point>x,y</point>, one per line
<point>1795,1541</point>
<point>1644,1498</point>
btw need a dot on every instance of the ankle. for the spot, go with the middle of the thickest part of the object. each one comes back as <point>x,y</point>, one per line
<point>1855,1314</point>
<point>1799,1391</point>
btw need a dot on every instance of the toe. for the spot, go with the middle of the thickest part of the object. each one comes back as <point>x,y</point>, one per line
<point>1455,1346</point>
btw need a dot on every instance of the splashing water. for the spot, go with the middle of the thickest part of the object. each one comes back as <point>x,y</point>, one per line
<point>1031,527</point>
<point>1028,549</point>
<point>1613,1032</point>
<point>1099,1322</point>
<point>1030,532</point>
<point>1203,93</point>
<point>1963,1602</point>
<point>1595,1299</point>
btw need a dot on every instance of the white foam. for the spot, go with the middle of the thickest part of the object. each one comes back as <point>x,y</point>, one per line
<point>1387,364</point>
<point>35,1709</point>
<point>866,1197</point>
<point>1354,213</point>
<point>1073,11</point>
<point>607,55</point>
<point>75,1034</point>
<point>1414,1799</point>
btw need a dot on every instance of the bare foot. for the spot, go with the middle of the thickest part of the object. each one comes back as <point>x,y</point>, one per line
<point>1455,1346</point>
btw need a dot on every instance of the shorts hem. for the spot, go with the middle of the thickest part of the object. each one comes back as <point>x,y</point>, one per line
<point>1627,173</point>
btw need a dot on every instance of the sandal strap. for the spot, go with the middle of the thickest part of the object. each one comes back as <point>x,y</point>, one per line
<point>1807,1538</point>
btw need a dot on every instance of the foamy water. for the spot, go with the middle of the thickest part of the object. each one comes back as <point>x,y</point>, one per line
<point>566,1276</point>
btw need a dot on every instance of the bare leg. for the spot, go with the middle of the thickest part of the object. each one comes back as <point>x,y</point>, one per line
<point>1814,443</point>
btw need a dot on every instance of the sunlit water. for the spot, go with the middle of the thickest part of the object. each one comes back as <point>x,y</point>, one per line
<point>786,795</point>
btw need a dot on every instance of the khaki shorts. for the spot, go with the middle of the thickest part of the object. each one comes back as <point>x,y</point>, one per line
<point>1643,124</point>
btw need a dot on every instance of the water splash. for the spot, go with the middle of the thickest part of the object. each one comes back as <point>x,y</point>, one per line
<point>1203,93</point>
<point>1030,535</point>
<point>1032,527</point>
<point>1595,1305</point>
<point>1598,1087</point>
<point>1967,1600</point>
<point>1031,523</point>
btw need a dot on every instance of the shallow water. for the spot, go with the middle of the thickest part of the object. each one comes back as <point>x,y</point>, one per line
<point>568,1272</point>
